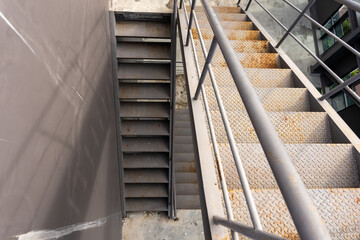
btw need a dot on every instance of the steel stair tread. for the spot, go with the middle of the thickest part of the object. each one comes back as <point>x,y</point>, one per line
<point>250,46</point>
<point>144,128</point>
<point>187,189</point>
<point>153,91</point>
<point>184,148</point>
<point>319,165</point>
<point>145,144</point>
<point>259,77</point>
<point>149,175</point>
<point>247,60</point>
<point>217,9</point>
<point>146,204</point>
<point>231,25</point>
<point>184,157</point>
<point>182,124</point>
<point>143,50</point>
<point>188,202</point>
<point>143,71</point>
<point>146,160</point>
<point>182,131</point>
<point>184,166</point>
<point>142,29</point>
<point>153,190</point>
<point>183,140</point>
<point>207,33</point>
<point>273,99</point>
<point>292,127</point>
<point>182,117</point>
<point>201,16</point>
<point>339,209</point>
<point>144,110</point>
<point>185,177</point>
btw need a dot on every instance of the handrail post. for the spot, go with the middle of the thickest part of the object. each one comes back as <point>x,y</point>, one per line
<point>248,5</point>
<point>190,22</point>
<point>238,3</point>
<point>181,3</point>
<point>206,67</point>
<point>295,22</point>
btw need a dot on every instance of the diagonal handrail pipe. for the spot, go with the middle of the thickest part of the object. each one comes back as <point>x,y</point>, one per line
<point>172,186</point>
<point>305,216</point>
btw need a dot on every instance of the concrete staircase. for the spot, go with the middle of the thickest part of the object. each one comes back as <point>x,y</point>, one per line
<point>328,166</point>
<point>143,54</point>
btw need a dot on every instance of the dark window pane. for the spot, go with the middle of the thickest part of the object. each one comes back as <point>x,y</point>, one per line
<point>338,30</point>
<point>327,42</point>
<point>346,26</point>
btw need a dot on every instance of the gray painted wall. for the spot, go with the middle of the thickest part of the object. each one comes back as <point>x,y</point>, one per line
<point>58,158</point>
<point>303,31</point>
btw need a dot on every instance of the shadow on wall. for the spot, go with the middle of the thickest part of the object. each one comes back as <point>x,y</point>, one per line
<point>58,148</point>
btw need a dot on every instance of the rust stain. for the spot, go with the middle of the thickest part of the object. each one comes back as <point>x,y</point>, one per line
<point>358,200</point>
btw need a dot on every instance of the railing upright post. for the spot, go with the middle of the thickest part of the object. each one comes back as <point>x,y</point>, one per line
<point>295,22</point>
<point>190,22</point>
<point>181,3</point>
<point>206,67</point>
<point>248,5</point>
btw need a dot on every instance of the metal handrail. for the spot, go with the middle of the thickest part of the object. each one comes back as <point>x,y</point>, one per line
<point>223,184</point>
<point>350,4</point>
<point>302,210</point>
<point>172,190</point>
<point>235,152</point>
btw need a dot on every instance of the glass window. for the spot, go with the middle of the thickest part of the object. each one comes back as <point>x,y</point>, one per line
<point>346,26</point>
<point>327,42</point>
<point>335,18</point>
<point>338,30</point>
<point>338,24</point>
<point>338,101</point>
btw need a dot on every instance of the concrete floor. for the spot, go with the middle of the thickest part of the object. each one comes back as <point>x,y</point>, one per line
<point>157,226</point>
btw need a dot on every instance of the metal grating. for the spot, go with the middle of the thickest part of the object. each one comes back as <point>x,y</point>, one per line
<point>254,46</point>
<point>319,165</point>
<point>292,127</point>
<point>339,208</point>
<point>273,99</point>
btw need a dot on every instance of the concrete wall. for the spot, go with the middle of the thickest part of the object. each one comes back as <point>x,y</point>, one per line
<point>303,31</point>
<point>58,155</point>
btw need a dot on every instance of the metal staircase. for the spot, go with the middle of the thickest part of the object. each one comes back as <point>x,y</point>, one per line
<point>187,189</point>
<point>322,148</point>
<point>143,53</point>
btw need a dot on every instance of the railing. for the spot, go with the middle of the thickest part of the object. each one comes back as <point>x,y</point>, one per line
<point>343,86</point>
<point>172,190</point>
<point>304,214</point>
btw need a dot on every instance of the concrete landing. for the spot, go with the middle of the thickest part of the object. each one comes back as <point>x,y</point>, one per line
<point>157,226</point>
